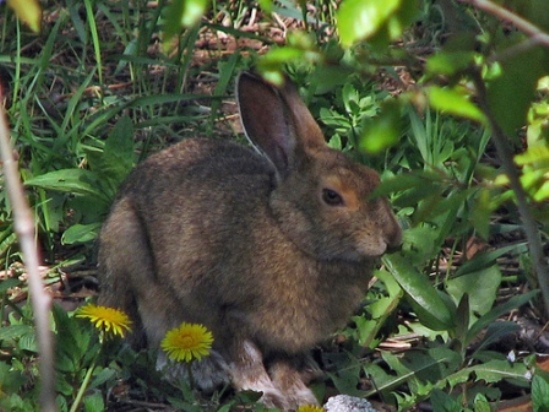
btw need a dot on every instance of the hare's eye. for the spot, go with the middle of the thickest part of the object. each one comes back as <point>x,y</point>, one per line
<point>331,197</point>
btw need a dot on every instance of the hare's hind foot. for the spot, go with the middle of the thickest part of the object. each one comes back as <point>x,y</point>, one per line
<point>282,386</point>
<point>289,381</point>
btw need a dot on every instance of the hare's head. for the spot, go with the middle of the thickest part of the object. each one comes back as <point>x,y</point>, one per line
<point>322,200</point>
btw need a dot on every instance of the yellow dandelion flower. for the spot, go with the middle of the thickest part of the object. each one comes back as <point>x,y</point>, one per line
<point>108,320</point>
<point>187,342</point>
<point>310,408</point>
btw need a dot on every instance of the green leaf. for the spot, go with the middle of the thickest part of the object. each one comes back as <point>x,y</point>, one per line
<point>94,403</point>
<point>15,331</point>
<point>442,402</point>
<point>406,181</point>
<point>481,403</point>
<point>74,181</point>
<point>495,370</point>
<point>380,309</point>
<point>421,292</point>
<point>80,233</point>
<point>8,284</point>
<point>511,93</point>
<point>117,159</point>
<point>449,62</point>
<point>495,313</point>
<point>182,13</point>
<point>361,19</point>
<point>266,5</point>
<point>454,102</point>
<point>481,287</point>
<point>383,131</point>
<point>347,376</point>
<point>540,394</point>
<point>485,260</point>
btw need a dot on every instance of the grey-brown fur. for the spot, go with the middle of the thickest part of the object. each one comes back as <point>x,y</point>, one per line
<point>249,245</point>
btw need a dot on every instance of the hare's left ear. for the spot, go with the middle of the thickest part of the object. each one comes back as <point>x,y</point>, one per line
<point>276,120</point>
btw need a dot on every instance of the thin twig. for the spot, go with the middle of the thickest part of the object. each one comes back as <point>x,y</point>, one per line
<point>41,301</point>
<point>529,224</point>
<point>502,13</point>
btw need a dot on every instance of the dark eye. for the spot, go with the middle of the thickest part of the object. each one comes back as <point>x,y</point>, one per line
<point>331,197</point>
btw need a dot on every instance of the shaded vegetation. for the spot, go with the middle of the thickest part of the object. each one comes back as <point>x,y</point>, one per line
<point>439,96</point>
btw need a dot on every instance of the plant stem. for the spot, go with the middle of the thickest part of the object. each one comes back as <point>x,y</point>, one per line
<point>502,13</point>
<point>83,387</point>
<point>533,235</point>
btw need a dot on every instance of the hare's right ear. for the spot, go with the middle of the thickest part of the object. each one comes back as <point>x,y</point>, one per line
<point>276,121</point>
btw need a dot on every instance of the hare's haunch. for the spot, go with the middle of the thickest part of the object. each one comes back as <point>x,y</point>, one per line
<point>272,249</point>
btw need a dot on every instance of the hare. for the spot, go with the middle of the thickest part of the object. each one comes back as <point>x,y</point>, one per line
<point>271,249</point>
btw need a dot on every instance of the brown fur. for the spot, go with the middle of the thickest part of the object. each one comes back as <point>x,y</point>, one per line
<point>211,232</point>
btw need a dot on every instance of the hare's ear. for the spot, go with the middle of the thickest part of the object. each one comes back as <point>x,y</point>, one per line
<point>276,121</point>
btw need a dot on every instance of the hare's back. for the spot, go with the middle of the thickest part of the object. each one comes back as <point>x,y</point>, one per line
<point>199,164</point>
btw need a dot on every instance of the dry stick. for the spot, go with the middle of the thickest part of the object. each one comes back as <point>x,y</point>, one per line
<point>41,301</point>
<point>500,140</point>
<point>533,235</point>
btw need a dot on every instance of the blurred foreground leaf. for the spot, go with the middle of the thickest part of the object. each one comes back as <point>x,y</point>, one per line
<point>29,12</point>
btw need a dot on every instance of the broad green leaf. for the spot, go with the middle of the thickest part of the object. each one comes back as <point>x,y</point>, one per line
<point>481,287</point>
<point>12,379</point>
<point>8,284</point>
<point>360,19</point>
<point>29,12</point>
<point>266,5</point>
<point>420,243</point>
<point>347,377</point>
<point>540,394</point>
<point>537,154</point>
<point>15,331</point>
<point>406,181</point>
<point>442,402</point>
<point>182,13</point>
<point>449,63</point>
<point>491,372</point>
<point>495,370</point>
<point>481,403</point>
<point>495,313</point>
<point>366,330</point>
<point>383,131</point>
<point>452,101</point>
<point>511,93</point>
<point>380,309</point>
<point>94,402</point>
<point>420,291</point>
<point>117,159</point>
<point>481,212</point>
<point>462,319</point>
<point>80,233</point>
<point>75,181</point>
<point>485,260</point>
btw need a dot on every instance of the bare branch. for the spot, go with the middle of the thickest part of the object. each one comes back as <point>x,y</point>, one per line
<point>41,301</point>
<point>502,13</point>
<point>529,224</point>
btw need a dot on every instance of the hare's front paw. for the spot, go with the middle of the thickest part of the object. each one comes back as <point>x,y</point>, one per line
<point>208,374</point>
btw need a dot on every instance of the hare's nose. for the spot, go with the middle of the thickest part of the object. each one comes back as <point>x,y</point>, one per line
<point>393,247</point>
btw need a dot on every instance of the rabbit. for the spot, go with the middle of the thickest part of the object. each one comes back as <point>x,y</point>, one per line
<point>271,248</point>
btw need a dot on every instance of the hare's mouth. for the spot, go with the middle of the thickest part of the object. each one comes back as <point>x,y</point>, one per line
<point>373,248</point>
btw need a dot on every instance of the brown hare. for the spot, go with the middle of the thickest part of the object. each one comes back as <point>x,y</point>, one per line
<point>272,249</point>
